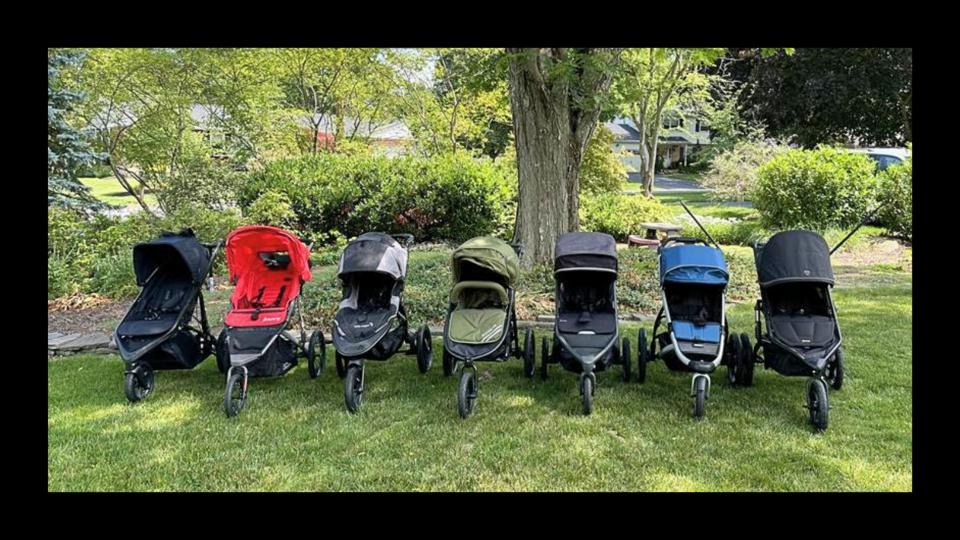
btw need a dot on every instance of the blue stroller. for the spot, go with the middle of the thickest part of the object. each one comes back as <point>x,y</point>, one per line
<point>693,279</point>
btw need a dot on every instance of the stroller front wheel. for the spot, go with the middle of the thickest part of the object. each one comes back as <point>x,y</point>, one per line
<point>818,404</point>
<point>699,396</point>
<point>625,358</point>
<point>235,396</point>
<point>138,383</point>
<point>586,393</point>
<point>467,392</point>
<point>353,388</point>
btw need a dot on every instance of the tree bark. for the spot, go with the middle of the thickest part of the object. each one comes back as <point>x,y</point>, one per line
<point>551,130</point>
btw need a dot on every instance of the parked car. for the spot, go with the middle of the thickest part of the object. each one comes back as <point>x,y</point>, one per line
<point>884,157</point>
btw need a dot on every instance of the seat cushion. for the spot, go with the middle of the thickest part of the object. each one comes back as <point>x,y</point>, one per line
<point>359,324</point>
<point>586,322</point>
<point>147,328</point>
<point>803,330</point>
<point>477,325</point>
<point>688,331</point>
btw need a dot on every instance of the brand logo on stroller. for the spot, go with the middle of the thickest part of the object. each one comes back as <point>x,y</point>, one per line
<point>806,273</point>
<point>364,325</point>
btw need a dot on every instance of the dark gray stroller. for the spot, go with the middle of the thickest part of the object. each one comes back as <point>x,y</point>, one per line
<point>798,331</point>
<point>586,333</point>
<point>371,322</point>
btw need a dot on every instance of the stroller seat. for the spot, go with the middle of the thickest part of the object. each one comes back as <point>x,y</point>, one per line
<point>689,331</point>
<point>480,312</point>
<point>803,330</point>
<point>148,328</point>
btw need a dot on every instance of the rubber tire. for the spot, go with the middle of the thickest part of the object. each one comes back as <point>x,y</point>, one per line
<point>221,352</point>
<point>424,349</point>
<point>819,405</point>
<point>135,389</point>
<point>699,398</point>
<point>625,359</point>
<point>544,356</point>
<point>746,361</point>
<point>340,365</point>
<point>229,407</point>
<point>316,366</point>
<point>529,354</point>
<point>353,388</point>
<point>835,378</point>
<point>734,359</point>
<point>642,356</point>
<point>448,363</point>
<point>586,389</point>
<point>467,386</point>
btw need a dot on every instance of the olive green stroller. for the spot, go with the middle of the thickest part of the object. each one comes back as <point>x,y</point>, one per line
<point>481,322</point>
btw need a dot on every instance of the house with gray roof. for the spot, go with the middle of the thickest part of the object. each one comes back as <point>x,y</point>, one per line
<point>681,137</point>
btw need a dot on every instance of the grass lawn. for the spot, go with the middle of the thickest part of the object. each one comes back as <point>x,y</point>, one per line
<point>108,190</point>
<point>295,433</point>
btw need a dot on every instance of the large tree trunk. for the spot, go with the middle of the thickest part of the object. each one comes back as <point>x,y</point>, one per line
<point>543,162</point>
<point>551,130</point>
<point>649,166</point>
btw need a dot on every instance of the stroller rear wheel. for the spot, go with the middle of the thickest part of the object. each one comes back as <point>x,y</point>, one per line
<point>642,356</point>
<point>834,374</point>
<point>316,354</point>
<point>746,361</point>
<point>544,356</point>
<point>353,388</point>
<point>586,393</point>
<point>235,396</point>
<point>818,404</point>
<point>138,383</point>
<point>448,363</point>
<point>734,359</point>
<point>424,349</point>
<point>222,353</point>
<point>341,368</point>
<point>467,392</point>
<point>625,358</point>
<point>529,355</point>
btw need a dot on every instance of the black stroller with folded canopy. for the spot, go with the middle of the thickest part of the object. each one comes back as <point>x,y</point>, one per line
<point>371,321</point>
<point>157,331</point>
<point>586,335</point>
<point>796,320</point>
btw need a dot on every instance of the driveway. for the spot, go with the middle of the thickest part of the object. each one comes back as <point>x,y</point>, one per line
<point>662,184</point>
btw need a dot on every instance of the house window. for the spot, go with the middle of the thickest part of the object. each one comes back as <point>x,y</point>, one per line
<point>672,121</point>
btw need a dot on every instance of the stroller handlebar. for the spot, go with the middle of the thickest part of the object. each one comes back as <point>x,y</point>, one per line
<point>404,238</point>
<point>684,240</point>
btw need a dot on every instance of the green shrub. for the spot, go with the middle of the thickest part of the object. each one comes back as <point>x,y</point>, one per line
<point>619,215</point>
<point>271,208</point>
<point>113,276</point>
<point>896,199</point>
<point>198,180</point>
<point>737,233</point>
<point>60,278</point>
<point>445,197</point>
<point>732,174</point>
<point>601,170</point>
<point>815,189</point>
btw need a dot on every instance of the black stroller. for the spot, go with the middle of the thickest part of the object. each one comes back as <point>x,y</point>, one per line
<point>586,334</point>
<point>156,332</point>
<point>481,322</point>
<point>799,333</point>
<point>371,321</point>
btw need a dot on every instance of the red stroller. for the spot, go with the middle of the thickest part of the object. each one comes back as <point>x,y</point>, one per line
<point>268,266</point>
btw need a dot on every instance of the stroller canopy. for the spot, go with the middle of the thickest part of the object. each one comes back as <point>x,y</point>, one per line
<point>794,256</point>
<point>693,264</point>
<point>244,246</point>
<point>585,251</point>
<point>490,253</point>
<point>374,252</point>
<point>180,249</point>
